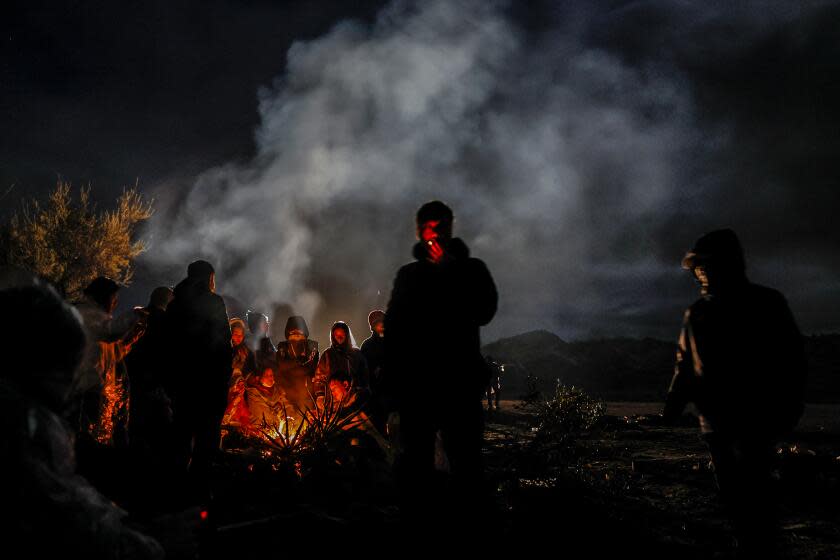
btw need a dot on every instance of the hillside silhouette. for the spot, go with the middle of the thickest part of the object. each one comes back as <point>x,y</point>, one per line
<point>629,369</point>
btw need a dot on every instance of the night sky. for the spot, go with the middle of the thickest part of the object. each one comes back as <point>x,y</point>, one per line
<point>582,145</point>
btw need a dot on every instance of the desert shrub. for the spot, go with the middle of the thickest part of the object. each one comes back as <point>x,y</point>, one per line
<point>564,416</point>
<point>69,242</point>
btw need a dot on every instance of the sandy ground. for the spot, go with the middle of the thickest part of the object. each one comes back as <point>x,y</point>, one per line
<point>660,481</point>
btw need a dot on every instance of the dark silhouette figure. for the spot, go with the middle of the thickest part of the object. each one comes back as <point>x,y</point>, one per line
<point>200,353</point>
<point>437,306</point>
<point>47,507</point>
<point>374,351</point>
<point>150,421</point>
<point>342,373</point>
<point>151,406</point>
<point>258,340</point>
<point>297,360</point>
<point>493,391</point>
<point>741,361</point>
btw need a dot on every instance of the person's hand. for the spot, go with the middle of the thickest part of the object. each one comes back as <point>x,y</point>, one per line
<point>434,250</point>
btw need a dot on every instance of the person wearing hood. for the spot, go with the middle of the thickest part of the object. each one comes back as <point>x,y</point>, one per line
<point>200,350</point>
<point>373,349</point>
<point>342,373</point>
<point>444,290</point>
<point>47,507</point>
<point>102,386</point>
<point>297,360</point>
<point>258,340</point>
<point>741,361</point>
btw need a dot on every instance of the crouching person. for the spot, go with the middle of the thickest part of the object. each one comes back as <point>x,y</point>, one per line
<point>264,399</point>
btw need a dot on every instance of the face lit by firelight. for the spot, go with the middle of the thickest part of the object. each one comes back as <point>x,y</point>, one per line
<point>237,335</point>
<point>339,336</point>
<point>267,378</point>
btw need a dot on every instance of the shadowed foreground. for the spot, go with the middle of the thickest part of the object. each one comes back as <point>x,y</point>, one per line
<point>626,488</point>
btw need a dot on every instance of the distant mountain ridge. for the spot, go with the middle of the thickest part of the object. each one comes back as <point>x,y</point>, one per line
<point>627,368</point>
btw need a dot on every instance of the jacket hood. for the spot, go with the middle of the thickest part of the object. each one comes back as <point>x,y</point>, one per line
<point>455,247</point>
<point>296,322</point>
<point>349,343</point>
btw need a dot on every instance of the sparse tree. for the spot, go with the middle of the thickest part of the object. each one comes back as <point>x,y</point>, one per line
<point>69,242</point>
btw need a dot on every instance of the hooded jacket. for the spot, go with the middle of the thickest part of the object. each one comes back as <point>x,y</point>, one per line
<point>741,361</point>
<point>296,362</point>
<point>343,363</point>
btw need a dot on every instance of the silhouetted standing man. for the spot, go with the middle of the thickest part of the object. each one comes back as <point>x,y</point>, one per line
<point>373,349</point>
<point>741,361</point>
<point>437,306</point>
<point>201,358</point>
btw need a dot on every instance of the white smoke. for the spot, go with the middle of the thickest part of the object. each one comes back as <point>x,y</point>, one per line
<point>549,152</point>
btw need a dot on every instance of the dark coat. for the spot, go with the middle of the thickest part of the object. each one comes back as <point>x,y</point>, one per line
<point>347,366</point>
<point>296,365</point>
<point>374,350</point>
<point>382,394</point>
<point>145,363</point>
<point>741,361</point>
<point>151,406</point>
<point>263,350</point>
<point>244,362</point>
<point>199,342</point>
<point>432,324</point>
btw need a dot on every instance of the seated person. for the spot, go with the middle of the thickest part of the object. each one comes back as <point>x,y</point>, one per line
<point>236,414</point>
<point>263,398</point>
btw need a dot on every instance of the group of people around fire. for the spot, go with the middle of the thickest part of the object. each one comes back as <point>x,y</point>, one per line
<point>139,390</point>
<point>272,384</point>
<point>161,382</point>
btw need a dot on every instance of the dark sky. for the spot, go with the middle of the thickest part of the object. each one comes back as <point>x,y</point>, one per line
<point>584,145</point>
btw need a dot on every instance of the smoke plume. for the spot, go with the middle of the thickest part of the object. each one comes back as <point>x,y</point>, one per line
<point>579,164</point>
